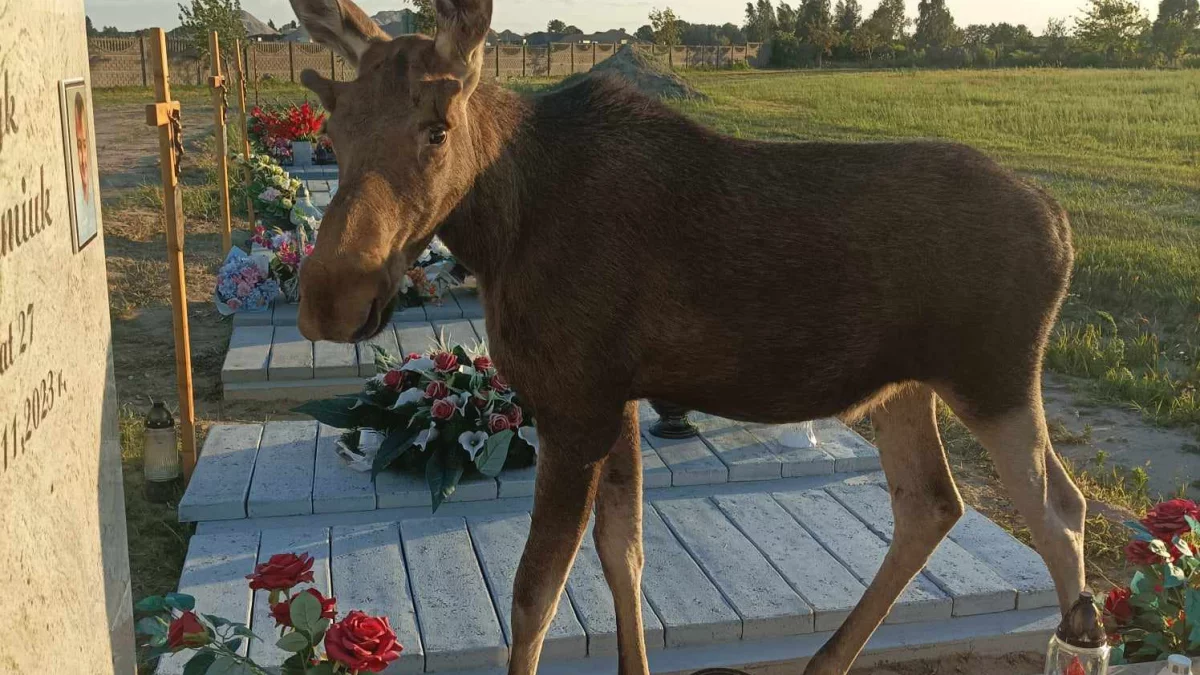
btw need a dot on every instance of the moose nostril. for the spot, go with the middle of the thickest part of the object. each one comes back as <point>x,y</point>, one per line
<point>371,326</point>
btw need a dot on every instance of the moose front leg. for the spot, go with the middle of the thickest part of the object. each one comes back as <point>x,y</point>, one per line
<point>618,537</point>
<point>569,466</point>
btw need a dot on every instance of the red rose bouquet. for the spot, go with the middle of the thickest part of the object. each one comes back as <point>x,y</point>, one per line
<point>442,413</point>
<point>1159,613</point>
<point>319,644</point>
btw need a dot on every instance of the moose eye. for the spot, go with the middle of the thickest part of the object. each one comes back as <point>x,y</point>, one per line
<point>437,136</point>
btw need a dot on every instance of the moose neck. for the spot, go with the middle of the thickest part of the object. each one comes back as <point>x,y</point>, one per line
<point>482,230</point>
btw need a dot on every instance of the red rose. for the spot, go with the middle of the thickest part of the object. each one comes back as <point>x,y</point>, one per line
<point>1116,605</point>
<point>186,631</point>
<point>499,383</point>
<point>515,417</point>
<point>437,390</point>
<point>392,379</point>
<point>483,363</point>
<point>1139,553</point>
<point>1169,519</point>
<point>282,611</point>
<point>411,356</point>
<point>442,409</point>
<point>282,572</point>
<point>445,362</point>
<point>362,643</point>
<point>481,398</point>
<point>498,423</point>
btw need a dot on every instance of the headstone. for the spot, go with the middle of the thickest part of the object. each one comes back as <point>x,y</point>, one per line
<point>62,515</point>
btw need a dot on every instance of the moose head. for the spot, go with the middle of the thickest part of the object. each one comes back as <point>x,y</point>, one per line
<point>405,156</point>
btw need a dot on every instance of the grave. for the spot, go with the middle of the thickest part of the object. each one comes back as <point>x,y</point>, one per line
<point>755,553</point>
<point>62,516</point>
<point>269,360</point>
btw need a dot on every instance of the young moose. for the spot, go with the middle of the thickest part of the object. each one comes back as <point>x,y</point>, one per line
<point>625,252</point>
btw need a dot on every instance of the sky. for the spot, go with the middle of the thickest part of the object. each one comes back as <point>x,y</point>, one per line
<point>526,16</point>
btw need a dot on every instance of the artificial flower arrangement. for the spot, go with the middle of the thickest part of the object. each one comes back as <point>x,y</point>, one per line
<point>323,151</point>
<point>1158,614</point>
<point>242,286</point>
<point>441,413</point>
<point>272,189</point>
<point>319,644</point>
<point>435,272</point>
<point>288,123</point>
<point>288,251</point>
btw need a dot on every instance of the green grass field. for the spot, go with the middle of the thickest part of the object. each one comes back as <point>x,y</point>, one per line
<point>1119,149</point>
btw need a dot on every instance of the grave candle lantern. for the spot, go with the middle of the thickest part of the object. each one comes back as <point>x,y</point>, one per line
<point>1079,646</point>
<point>160,454</point>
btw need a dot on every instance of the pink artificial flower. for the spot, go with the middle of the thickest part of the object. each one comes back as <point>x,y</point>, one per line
<point>233,303</point>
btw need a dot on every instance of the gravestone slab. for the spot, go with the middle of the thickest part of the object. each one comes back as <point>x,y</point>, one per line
<point>62,510</point>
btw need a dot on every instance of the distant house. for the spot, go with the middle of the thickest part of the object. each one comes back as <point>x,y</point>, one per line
<point>398,22</point>
<point>257,31</point>
<point>615,36</point>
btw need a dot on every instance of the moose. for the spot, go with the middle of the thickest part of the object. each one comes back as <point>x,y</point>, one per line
<point>626,252</point>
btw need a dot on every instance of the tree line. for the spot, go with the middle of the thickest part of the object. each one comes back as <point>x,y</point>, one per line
<point>1109,33</point>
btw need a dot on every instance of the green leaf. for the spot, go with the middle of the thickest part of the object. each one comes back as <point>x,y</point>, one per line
<point>1194,524</point>
<point>1141,583</point>
<point>293,642</point>
<point>227,665</point>
<point>325,668</point>
<point>234,644</point>
<point>294,665</point>
<point>305,612</point>
<point>1191,606</point>
<point>243,631</point>
<point>154,603</point>
<point>442,473</point>
<point>395,444</point>
<point>180,601</point>
<point>336,412</point>
<point>491,458</point>
<point>463,357</point>
<point>216,621</point>
<point>151,626</point>
<point>198,664</point>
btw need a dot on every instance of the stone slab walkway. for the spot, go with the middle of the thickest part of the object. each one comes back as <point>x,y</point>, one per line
<point>741,573</point>
<point>278,363</point>
<point>291,469</point>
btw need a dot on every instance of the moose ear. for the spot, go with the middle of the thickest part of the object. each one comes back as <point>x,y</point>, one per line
<point>462,29</point>
<point>339,25</point>
<point>323,87</point>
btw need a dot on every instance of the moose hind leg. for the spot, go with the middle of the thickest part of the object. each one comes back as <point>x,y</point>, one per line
<point>925,506</point>
<point>1040,487</point>
<point>618,537</point>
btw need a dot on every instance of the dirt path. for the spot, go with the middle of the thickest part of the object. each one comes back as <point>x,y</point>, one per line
<point>1171,457</point>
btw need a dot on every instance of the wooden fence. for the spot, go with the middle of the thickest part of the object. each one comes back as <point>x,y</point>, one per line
<point>122,62</point>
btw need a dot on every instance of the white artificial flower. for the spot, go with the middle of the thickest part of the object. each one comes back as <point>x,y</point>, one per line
<point>405,284</point>
<point>413,395</point>
<point>530,436</point>
<point>438,248</point>
<point>426,436</point>
<point>422,365</point>
<point>473,442</point>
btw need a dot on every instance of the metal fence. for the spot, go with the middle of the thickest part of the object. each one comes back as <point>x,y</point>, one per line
<point>123,62</point>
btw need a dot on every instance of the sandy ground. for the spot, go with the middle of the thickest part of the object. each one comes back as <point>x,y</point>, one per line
<point>1171,457</point>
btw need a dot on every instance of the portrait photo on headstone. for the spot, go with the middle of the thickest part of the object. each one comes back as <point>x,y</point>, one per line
<point>80,146</point>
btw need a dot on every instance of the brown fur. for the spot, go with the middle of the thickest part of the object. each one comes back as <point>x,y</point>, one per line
<point>624,252</point>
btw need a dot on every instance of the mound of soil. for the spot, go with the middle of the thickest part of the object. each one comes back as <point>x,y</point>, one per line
<point>647,75</point>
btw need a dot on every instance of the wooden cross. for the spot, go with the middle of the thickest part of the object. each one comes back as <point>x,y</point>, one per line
<point>164,114</point>
<point>217,82</point>
<point>249,177</point>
